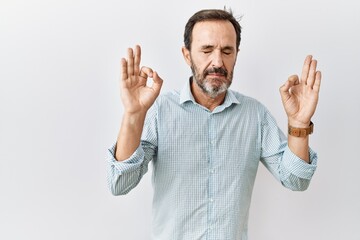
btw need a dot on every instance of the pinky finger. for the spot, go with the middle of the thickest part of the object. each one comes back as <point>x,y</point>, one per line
<point>124,74</point>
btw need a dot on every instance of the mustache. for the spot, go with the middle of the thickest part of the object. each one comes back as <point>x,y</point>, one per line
<point>216,70</point>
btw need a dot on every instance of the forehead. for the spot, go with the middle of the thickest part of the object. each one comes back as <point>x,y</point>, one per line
<point>214,33</point>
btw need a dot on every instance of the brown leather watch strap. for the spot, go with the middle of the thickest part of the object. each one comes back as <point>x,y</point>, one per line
<point>301,132</point>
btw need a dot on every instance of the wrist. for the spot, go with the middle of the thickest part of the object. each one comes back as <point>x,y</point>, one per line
<point>298,124</point>
<point>134,117</point>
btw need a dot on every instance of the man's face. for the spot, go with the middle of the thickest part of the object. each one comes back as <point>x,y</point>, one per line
<point>213,55</point>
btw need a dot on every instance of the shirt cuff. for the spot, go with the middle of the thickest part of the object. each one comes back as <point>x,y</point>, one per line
<point>298,166</point>
<point>128,165</point>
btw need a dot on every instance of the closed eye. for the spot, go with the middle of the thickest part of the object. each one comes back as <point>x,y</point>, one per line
<point>206,49</point>
<point>228,50</point>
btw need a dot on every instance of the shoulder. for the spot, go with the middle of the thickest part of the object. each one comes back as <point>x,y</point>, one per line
<point>165,101</point>
<point>252,107</point>
<point>247,101</point>
<point>173,95</point>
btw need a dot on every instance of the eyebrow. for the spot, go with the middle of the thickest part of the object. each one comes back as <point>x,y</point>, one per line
<point>206,47</point>
<point>228,48</point>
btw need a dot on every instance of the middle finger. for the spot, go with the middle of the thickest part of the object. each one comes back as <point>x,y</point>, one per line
<point>130,65</point>
<point>305,70</point>
<point>312,72</point>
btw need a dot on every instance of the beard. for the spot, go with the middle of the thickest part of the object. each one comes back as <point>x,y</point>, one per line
<point>214,86</point>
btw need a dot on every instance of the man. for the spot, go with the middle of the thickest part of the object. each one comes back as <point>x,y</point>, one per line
<point>206,141</point>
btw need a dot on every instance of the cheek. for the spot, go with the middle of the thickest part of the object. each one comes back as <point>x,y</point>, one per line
<point>202,60</point>
<point>200,68</point>
<point>229,64</point>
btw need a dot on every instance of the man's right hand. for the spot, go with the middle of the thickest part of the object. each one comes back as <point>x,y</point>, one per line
<point>136,96</point>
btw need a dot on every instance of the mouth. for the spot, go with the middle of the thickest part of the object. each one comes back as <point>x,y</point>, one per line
<point>216,72</point>
<point>216,75</point>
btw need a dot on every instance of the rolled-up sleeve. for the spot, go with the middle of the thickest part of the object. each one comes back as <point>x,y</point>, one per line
<point>295,165</point>
<point>293,172</point>
<point>125,175</point>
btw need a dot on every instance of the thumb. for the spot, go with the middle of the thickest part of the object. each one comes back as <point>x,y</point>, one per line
<point>146,72</point>
<point>157,82</point>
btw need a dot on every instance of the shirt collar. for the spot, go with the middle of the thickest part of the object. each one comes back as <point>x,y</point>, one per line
<point>186,95</point>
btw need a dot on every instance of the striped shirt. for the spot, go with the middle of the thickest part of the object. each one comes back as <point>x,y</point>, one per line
<point>205,163</point>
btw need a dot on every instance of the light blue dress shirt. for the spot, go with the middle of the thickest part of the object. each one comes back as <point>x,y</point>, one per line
<point>205,163</point>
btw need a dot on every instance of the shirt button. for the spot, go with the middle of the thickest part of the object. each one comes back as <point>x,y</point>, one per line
<point>212,171</point>
<point>211,200</point>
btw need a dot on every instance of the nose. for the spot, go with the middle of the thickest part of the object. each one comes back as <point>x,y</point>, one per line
<point>217,60</point>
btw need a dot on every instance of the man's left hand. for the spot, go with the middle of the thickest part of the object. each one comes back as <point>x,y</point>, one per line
<point>300,96</point>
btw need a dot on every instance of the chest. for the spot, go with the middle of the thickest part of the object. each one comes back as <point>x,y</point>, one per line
<point>196,141</point>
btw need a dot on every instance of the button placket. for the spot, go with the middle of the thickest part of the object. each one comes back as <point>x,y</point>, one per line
<point>211,171</point>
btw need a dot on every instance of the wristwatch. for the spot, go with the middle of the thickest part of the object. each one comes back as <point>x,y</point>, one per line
<point>301,132</point>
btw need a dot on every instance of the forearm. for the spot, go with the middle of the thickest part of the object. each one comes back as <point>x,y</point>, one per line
<point>124,176</point>
<point>300,147</point>
<point>129,135</point>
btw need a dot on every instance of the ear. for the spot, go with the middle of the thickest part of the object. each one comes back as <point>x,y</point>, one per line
<point>186,55</point>
<point>237,55</point>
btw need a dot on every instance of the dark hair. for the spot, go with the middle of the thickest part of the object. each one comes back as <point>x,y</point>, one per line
<point>210,15</point>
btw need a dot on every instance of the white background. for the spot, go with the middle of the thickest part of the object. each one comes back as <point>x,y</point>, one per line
<point>60,111</point>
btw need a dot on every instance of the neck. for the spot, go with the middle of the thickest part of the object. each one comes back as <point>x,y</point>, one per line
<point>204,99</point>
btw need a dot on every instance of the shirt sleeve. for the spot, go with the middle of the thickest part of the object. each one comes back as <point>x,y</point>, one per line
<point>125,175</point>
<point>293,172</point>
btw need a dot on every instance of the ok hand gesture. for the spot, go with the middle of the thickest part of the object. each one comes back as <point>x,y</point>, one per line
<point>135,94</point>
<point>300,96</point>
